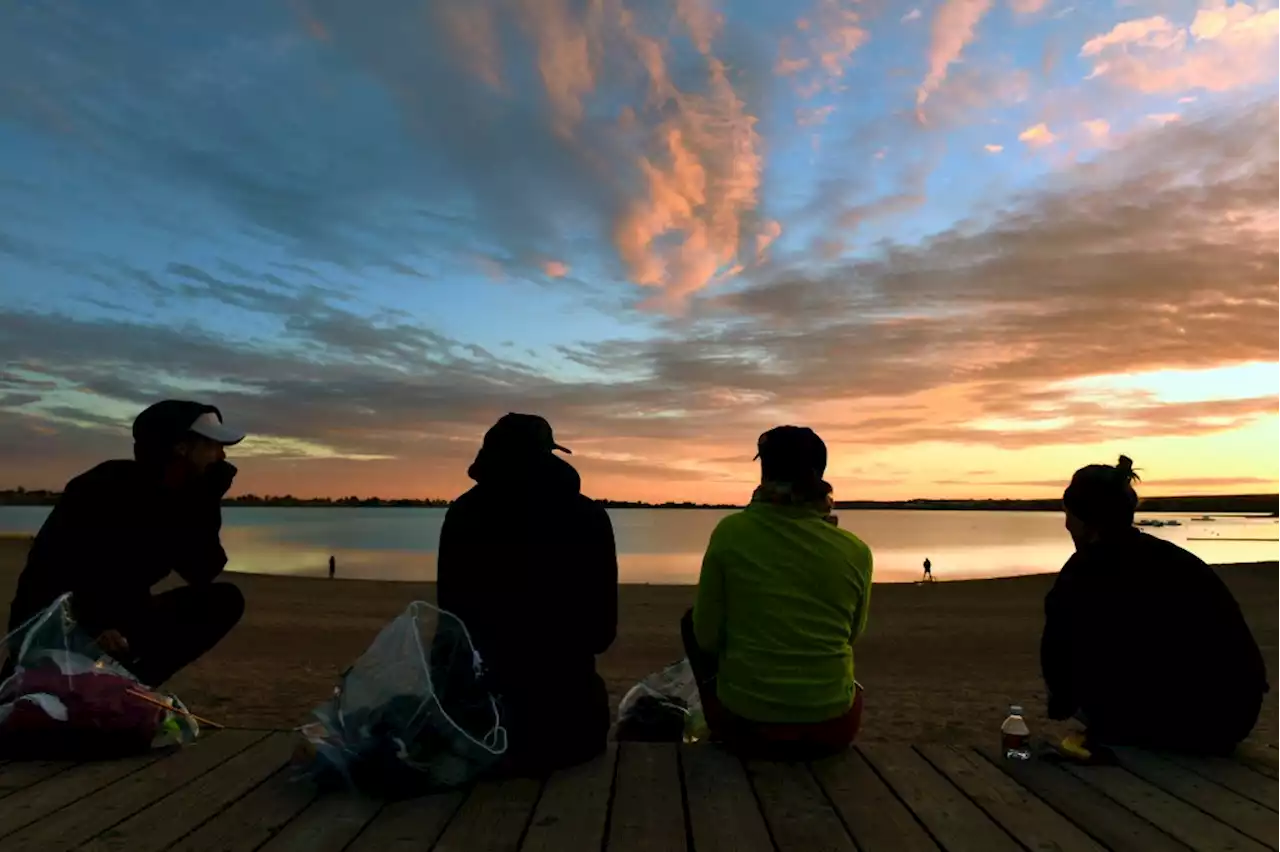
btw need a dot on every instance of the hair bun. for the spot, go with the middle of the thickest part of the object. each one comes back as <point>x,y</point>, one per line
<point>1125,465</point>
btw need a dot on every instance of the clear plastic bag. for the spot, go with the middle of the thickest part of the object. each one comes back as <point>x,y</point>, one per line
<point>412,715</point>
<point>664,707</point>
<point>66,698</point>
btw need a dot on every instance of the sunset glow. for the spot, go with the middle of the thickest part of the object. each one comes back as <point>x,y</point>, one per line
<point>975,245</point>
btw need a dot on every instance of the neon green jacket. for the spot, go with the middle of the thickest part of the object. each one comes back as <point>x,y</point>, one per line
<point>782,596</point>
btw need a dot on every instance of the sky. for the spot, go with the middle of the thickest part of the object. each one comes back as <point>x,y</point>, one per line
<point>974,244</point>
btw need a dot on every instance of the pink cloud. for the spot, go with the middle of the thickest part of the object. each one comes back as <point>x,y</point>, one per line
<point>954,27</point>
<point>993,149</point>
<point>555,269</point>
<point>1037,136</point>
<point>835,32</point>
<point>1027,7</point>
<point>1226,46</point>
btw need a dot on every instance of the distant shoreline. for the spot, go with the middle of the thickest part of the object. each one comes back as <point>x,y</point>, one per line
<point>1258,505</point>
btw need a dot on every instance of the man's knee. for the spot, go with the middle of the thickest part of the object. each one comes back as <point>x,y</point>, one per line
<point>226,602</point>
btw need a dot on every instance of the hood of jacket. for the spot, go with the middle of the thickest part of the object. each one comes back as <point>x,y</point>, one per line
<point>542,472</point>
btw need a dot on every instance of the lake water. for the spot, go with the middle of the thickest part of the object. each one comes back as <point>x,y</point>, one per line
<point>665,545</point>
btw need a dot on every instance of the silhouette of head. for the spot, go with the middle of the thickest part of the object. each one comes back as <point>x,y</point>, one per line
<point>792,454</point>
<point>521,435</point>
<point>1101,500</point>
<point>187,437</point>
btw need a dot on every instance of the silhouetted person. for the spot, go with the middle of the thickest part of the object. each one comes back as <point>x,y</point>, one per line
<point>333,567</point>
<point>124,526</point>
<point>928,571</point>
<point>528,563</point>
<point>1142,640</point>
<point>782,596</point>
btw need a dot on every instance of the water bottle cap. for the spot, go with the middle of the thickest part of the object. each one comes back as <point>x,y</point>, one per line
<point>1015,709</point>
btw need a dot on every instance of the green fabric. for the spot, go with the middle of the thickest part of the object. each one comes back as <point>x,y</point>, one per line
<point>782,596</point>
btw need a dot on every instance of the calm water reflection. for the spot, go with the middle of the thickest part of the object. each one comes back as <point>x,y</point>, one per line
<point>665,546</point>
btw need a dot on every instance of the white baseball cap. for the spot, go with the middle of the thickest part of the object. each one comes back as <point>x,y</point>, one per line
<point>210,425</point>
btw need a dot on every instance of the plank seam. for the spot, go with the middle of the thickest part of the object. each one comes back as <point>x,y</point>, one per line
<point>755,794</point>
<point>444,826</point>
<point>893,791</point>
<point>382,806</point>
<point>192,780</point>
<point>533,810</point>
<point>613,792</point>
<point>6,793</point>
<point>826,794</point>
<point>992,760</point>
<point>228,805</point>
<point>976,803</point>
<point>684,800</point>
<point>1166,792</point>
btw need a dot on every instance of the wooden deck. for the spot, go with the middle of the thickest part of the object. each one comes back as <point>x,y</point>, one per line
<point>236,791</point>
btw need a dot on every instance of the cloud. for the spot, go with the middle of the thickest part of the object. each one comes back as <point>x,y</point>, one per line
<point>1226,46</point>
<point>827,38</point>
<point>1164,117</point>
<point>1037,136</point>
<point>1027,7</point>
<point>1098,129</point>
<point>913,15</point>
<point>954,26</point>
<point>993,149</point>
<point>555,269</point>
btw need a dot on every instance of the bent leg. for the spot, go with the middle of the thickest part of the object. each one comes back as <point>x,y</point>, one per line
<point>179,626</point>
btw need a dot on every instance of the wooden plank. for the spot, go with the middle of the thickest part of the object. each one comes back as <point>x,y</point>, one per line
<point>409,826</point>
<point>1232,775</point>
<point>328,825</point>
<point>1116,827</point>
<point>1031,822</point>
<point>724,815</point>
<point>155,828</point>
<point>1235,810</point>
<point>253,820</point>
<point>954,821</point>
<point>1259,759</point>
<point>77,823</point>
<point>870,810</point>
<point>799,817</point>
<point>21,774</point>
<point>493,818</point>
<point>574,807</point>
<point>33,803</point>
<point>648,809</point>
<point>1193,827</point>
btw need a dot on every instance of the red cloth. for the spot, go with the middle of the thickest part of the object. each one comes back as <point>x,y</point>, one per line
<point>782,740</point>
<point>102,718</point>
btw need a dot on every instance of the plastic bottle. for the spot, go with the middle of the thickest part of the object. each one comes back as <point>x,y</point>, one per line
<point>1015,736</point>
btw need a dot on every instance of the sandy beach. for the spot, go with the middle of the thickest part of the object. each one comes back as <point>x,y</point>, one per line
<point>940,663</point>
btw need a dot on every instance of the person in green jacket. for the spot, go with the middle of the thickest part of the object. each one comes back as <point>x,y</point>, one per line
<point>782,597</point>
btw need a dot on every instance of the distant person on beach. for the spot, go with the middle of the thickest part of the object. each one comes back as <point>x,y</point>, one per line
<point>782,597</point>
<point>1143,642</point>
<point>124,526</point>
<point>529,565</point>
<point>928,571</point>
<point>333,567</point>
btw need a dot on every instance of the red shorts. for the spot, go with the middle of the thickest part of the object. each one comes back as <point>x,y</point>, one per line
<point>782,740</point>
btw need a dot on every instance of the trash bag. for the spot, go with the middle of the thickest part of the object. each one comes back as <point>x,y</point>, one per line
<point>67,699</point>
<point>664,707</point>
<point>413,715</point>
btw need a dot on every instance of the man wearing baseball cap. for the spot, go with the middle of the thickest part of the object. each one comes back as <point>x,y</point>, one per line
<point>782,596</point>
<point>529,565</point>
<point>124,526</point>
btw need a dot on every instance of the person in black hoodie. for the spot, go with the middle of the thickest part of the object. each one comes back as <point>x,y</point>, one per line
<point>529,565</point>
<point>1143,642</point>
<point>124,526</point>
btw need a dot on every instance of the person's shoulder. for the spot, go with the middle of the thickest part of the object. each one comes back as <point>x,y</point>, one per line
<point>851,545</point>
<point>109,477</point>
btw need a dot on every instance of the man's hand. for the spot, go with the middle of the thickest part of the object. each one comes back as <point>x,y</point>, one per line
<point>113,642</point>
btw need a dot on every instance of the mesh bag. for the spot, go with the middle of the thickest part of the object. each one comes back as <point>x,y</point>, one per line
<point>412,715</point>
<point>63,697</point>
<point>664,707</point>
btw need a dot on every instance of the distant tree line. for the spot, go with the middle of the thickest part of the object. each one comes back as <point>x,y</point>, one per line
<point>1259,504</point>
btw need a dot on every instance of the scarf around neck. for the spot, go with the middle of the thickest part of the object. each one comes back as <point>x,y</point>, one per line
<point>787,494</point>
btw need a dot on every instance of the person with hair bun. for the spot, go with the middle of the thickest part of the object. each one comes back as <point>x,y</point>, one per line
<point>1143,642</point>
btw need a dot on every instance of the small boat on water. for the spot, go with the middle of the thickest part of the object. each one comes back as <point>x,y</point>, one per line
<point>1150,522</point>
<point>1203,518</point>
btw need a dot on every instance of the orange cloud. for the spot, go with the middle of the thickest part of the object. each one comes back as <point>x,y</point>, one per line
<point>1164,117</point>
<point>993,149</point>
<point>1226,46</point>
<point>555,269</point>
<point>954,27</point>
<point>1098,128</point>
<point>836,32</point>
<point>1037,136</point>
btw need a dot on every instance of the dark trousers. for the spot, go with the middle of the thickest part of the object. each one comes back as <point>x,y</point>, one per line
<point>770,741</point>
<point>175,628</point>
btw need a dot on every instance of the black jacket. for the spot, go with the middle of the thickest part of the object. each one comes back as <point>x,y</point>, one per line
<point>114,533</point>
<point>529,565</point>
<point>1148,643</point>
